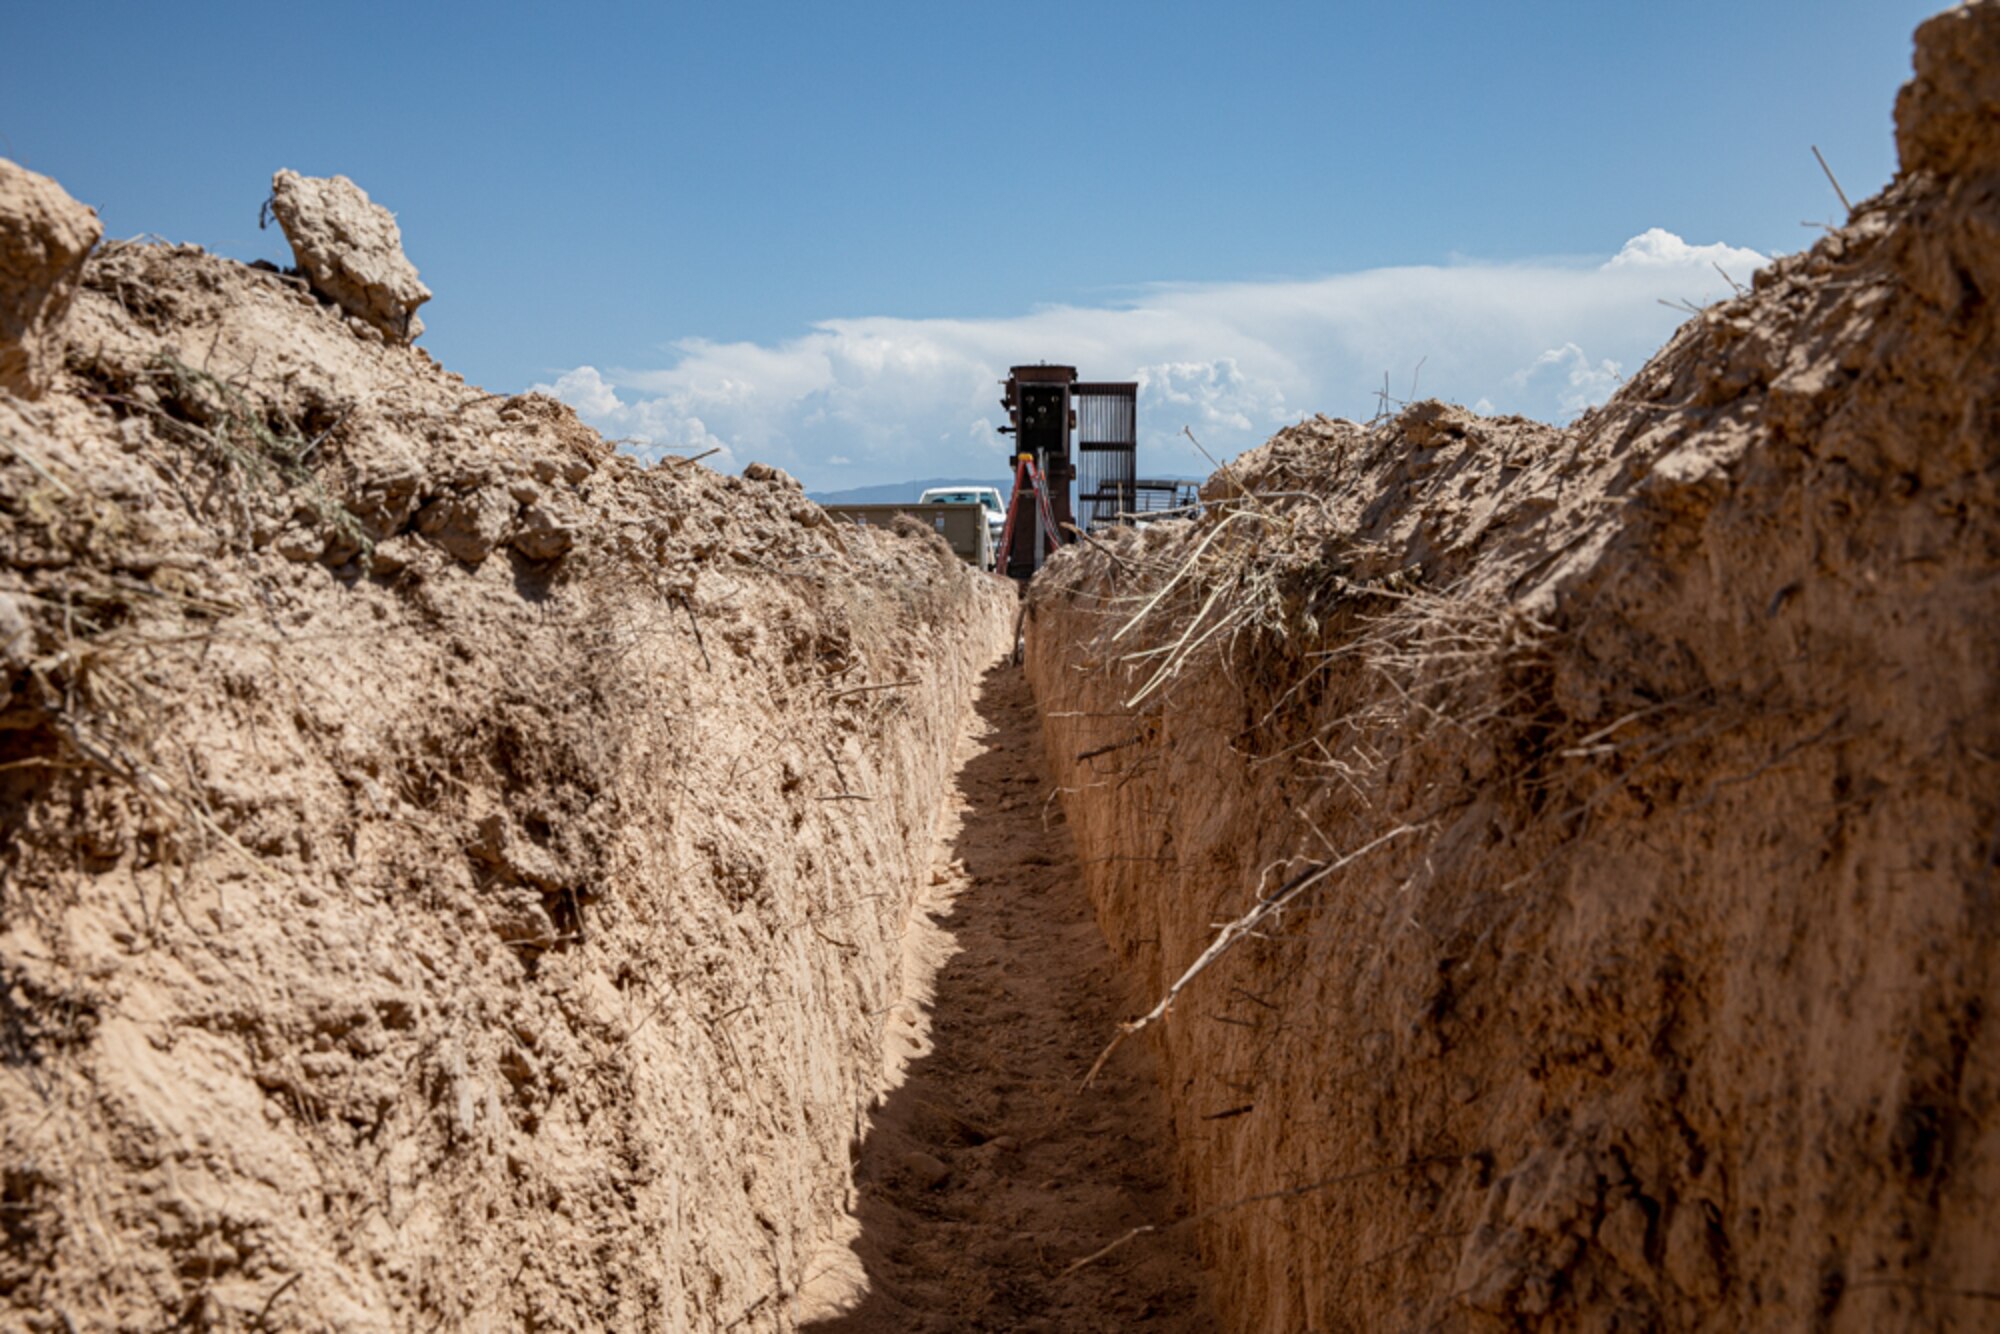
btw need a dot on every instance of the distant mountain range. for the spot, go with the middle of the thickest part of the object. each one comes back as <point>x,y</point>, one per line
<point>894,493</point>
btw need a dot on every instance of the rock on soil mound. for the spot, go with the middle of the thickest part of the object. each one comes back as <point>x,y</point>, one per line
<point>1609,812</point>
<point>44,236</point>
<point>350,249</point>
<point>449,872</point>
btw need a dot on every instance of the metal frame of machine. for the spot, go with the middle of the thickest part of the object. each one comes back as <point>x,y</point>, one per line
<point>1044,407</point>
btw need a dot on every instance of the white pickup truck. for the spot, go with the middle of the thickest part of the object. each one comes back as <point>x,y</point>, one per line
<point>986,497</point>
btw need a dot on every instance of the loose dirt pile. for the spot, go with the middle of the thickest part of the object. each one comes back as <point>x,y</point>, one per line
<point>1611,814</point>
<point>450,874</point>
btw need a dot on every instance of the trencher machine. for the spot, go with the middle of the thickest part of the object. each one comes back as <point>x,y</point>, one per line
<point>1046,406</point>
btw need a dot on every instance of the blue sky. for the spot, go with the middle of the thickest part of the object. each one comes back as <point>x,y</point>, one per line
<point>816,232</point>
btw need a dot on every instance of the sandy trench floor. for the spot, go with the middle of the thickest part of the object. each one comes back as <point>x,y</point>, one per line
<point>989,1170</point>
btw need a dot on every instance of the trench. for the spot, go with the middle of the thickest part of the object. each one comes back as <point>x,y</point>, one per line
<point>988,1171</point>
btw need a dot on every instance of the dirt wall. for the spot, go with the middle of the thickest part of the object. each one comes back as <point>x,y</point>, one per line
<point>1610,811</point>
<point>451,875</point>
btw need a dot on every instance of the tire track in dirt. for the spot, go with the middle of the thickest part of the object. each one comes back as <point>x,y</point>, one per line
<point>988,1170</point>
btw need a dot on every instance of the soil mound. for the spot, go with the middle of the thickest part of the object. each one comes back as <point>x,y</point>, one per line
<point>1604,817</point>
<point>449,872</point>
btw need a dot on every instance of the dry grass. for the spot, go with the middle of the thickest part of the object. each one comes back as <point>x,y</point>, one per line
<point>1349,657</point>
<point>1269,589</point>
<point>253,449</point>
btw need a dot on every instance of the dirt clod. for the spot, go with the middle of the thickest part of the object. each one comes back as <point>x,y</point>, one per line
<point>1946,116</point>
<point>351,250</point>
<point>44,237</point>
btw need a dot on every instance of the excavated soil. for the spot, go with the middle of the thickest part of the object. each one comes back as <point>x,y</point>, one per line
<point>454,876</point>
<point>450,874</point>
<point>991,1172</point>
<point>1608,817</point>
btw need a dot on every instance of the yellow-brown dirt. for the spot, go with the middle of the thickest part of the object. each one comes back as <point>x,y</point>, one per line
<point>455,876</point>
<point>1638,784</point>
<point>450,874</point>
<point>989,1173</point>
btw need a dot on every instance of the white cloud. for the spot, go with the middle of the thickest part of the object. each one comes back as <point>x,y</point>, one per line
<point>884,398</point>
<point>1212,394</point>
<point>586,391</point>
<point>1658,248</point>
<point>1579,384</point>
<point>649,427</point>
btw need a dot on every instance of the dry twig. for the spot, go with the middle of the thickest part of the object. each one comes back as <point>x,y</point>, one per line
<point>1232,932</point>
<point>1830,179</point>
